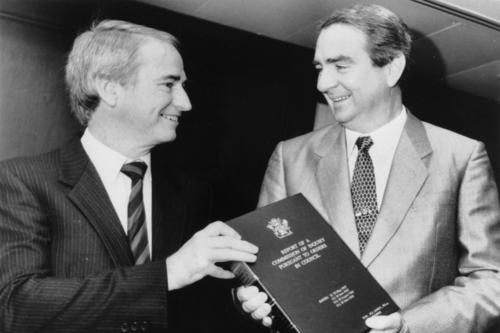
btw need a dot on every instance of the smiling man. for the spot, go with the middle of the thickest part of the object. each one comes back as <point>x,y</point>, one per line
<point>96,236</point>
<point>416,203</point>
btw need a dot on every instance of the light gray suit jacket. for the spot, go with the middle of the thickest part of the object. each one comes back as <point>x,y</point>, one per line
<point>436,244</point>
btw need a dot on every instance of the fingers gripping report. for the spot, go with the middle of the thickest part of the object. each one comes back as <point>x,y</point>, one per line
<point>197,257</point>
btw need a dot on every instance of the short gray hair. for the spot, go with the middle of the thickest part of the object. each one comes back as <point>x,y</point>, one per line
<point>109,50</point>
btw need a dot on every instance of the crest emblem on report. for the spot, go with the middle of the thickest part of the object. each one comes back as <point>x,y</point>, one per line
<point>279,227</point>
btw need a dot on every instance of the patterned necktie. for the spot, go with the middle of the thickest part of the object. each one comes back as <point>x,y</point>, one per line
<point>137,234</point>
<point>364,193</point>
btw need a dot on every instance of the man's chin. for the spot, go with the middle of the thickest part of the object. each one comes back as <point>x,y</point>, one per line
<point>166,138</point>
<point>341,115</point>
<point>170,138</point>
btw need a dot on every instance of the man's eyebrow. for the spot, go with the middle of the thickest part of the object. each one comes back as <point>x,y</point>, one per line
<point>340,58</point>
<point>171,77</point>
<point>337,59</point>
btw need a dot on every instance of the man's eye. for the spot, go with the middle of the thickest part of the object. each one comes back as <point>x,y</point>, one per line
<point>169,85</point>
<point>318,68</point>
<point>340,67</point>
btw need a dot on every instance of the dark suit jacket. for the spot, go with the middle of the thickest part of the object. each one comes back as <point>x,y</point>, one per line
<point>436,244</point>
<point>65,262</point>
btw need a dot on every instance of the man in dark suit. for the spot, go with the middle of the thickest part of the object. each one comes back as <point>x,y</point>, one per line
<point>416,203</point>
<point>96,236</point>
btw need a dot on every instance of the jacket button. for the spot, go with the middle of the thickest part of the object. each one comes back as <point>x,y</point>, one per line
<point>134,326</point>
<point>124,327</point>
<point>144,326</point>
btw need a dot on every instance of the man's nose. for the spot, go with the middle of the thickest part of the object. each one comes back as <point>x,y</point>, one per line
<point>327,79</point>
<point>181,100</point>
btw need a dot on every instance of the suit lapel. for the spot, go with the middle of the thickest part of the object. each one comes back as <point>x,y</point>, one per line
<point>90,197</point>
<point>169,211</point>
<point>408,174</point>
<point>333,179</point>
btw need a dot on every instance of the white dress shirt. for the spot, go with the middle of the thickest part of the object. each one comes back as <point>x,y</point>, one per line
<point>118,185</point>
<point>385,140</point>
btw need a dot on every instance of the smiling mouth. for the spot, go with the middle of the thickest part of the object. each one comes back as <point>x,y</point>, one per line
<point>339,98</point>
<point>170,117</point>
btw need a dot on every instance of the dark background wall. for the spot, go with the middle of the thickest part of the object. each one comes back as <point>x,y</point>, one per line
<point>33,113</point>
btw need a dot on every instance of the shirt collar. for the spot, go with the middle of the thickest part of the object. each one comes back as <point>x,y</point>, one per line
<point>382,136</point>
<point>107,161</point>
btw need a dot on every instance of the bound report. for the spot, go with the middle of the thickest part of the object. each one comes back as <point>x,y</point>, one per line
<point>315,283</point>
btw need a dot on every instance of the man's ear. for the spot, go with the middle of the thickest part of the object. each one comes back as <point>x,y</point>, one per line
<point>107,90</point>
<point>395,69</point>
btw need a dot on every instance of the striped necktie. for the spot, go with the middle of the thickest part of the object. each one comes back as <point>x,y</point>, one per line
<point>137,234</point>
<point>364,193</point>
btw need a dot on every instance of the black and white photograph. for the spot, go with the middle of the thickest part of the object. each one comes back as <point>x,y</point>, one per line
<point>355,142</point>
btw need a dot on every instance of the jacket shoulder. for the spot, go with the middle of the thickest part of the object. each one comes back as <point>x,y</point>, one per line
<point>32,166</point>
<point>442,138</point>
<point>311,140</point>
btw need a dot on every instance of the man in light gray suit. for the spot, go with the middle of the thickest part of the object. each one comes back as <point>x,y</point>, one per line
<point>427,222</point>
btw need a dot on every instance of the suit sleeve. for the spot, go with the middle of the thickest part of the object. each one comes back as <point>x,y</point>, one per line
<point>472,302</point>
<point>273,186</point>
<point>31,299</point>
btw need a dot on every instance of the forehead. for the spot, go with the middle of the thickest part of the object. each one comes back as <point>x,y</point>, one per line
<point>340,40</point>
<point>160,59</point>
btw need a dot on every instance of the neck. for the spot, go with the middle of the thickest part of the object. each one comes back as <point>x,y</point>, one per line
<point>383,115</point>
<point>116,138</point>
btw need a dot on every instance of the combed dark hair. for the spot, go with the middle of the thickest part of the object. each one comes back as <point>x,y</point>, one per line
<point>109,49</point>
<point>386,33</point>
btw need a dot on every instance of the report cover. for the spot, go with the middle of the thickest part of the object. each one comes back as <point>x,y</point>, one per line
<point>315,282</point>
